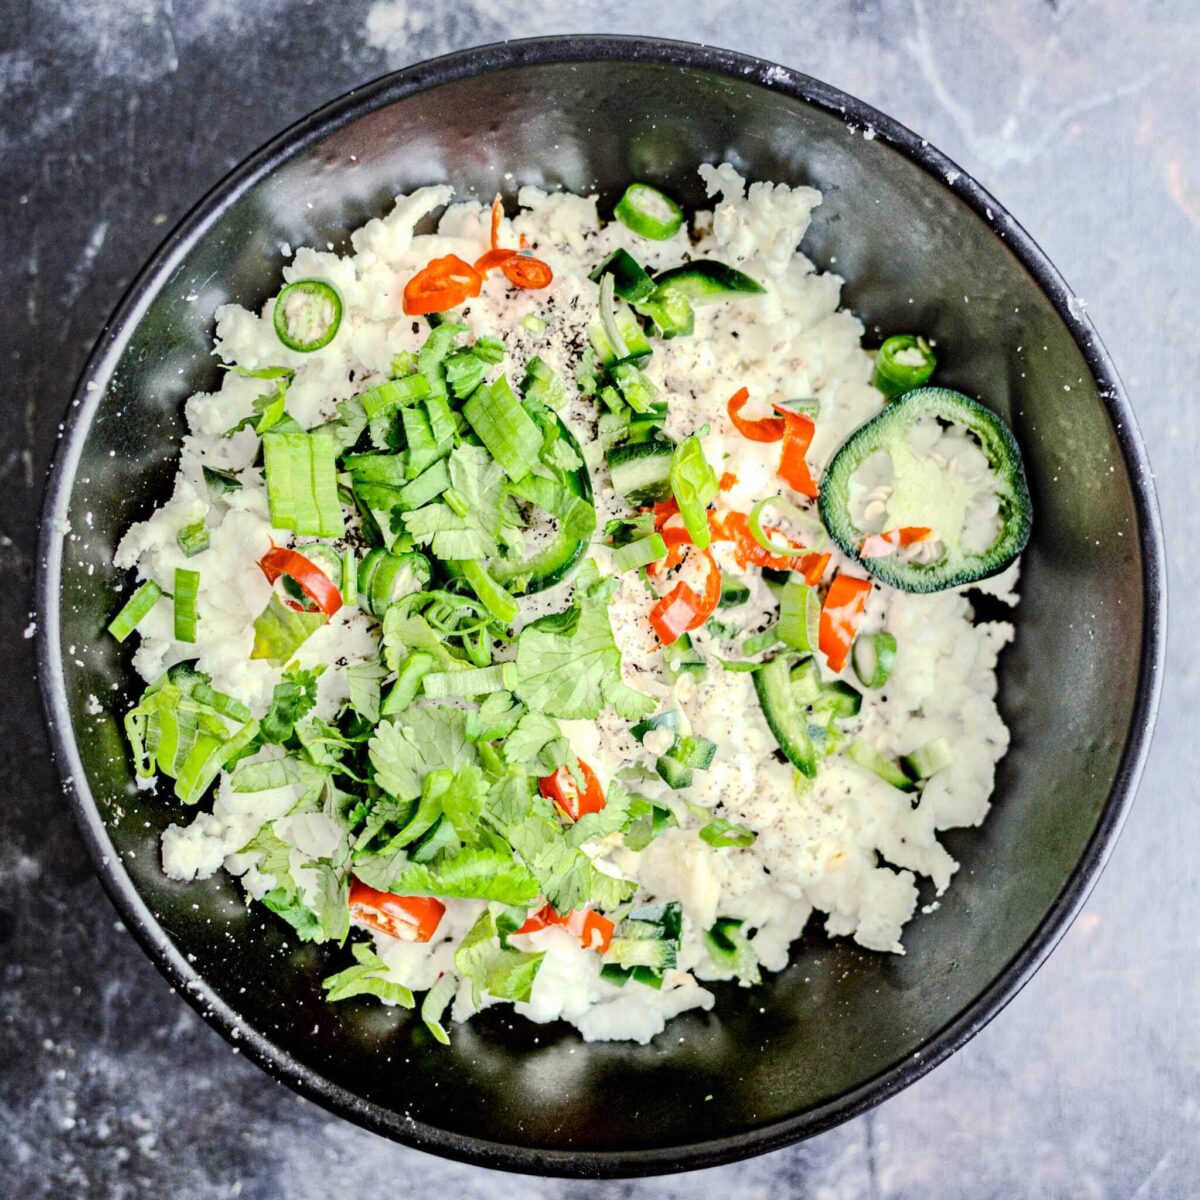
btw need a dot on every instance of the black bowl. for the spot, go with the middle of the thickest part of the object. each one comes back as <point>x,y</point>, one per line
<point>923,248</point>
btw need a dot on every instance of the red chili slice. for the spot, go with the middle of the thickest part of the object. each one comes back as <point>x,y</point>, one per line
<point>409,918</point>
<point>593,929</point>
<point>797,437</point>
<point>840,614</point>
<point>315,584</point>
<point>525,272</point>
<point>564,791</point>
<point>765,429</point>
<point>444,283</point>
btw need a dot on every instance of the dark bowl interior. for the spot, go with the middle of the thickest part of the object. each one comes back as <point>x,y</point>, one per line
<point>922,248</point>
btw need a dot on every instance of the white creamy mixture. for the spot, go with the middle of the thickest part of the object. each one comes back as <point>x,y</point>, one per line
<point>849,846</point>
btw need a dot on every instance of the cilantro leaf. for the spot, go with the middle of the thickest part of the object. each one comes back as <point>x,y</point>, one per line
<point>294,697</point>
<point>436,1001</point>
<point>463,800</point>
<point>424,739</point>
<point>347,427</point>
<point>366,978</point>
<point>484,873</point>
<point>284,898</point>
<point>612,818</point>
<point>496,717</point>
<point>404,633</point>
<point>536,744</point>
<point>492,968</point>
<point>479,481</point>
<point>280,772</point>
<point>364,680</point>
<point>568,665</point>
<point>568,878</point>
<point>280,631</point>
<point>322,742</point>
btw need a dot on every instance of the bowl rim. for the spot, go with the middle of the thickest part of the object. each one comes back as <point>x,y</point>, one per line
<point>89,390</point>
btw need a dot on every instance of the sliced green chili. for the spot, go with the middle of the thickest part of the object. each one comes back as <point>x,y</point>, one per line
<point>648,212</point>
<point>307,315</point>
<point>902,363</point>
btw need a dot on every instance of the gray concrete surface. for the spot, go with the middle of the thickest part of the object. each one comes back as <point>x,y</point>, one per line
<point>115,116</point>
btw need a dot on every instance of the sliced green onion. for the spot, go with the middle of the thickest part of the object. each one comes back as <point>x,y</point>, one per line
<point>648,212</point>
<point>638,554</point>
<point>756,643</point>
<point>204,693</point>
<point>489,349</point>
<point>427,486</point>
<point>187,587</point>
<point>878,764</point>
<point>505,428</point>
<point>533,323</point>
<point>630,280</point>
<point>301,476</point>
<point>464,372</point>
<point>423,446</point>
<point>808,525</point>
<point>135,609</point>
<point>394,394</point>
<point>456,502</point>
<point>608,318</point>
<point>903,363</point>
<point>799,616</point>
<point>408,682</point>
<point>733,594</point>
<point>542,384</point>
<point>495,599</point>
<point>349,588</point>
<point>207,757</point>
<point>694,485</point>
<point>457,685</point>
<point>719,832</point>
<point>307,315</point>
<point>928,760</point>
<point>873,656</point>
<point>194,539</point>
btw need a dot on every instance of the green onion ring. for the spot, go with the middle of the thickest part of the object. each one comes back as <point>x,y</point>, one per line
<point>873,656</point>
<point>608,317</point>
<point>805,522</point>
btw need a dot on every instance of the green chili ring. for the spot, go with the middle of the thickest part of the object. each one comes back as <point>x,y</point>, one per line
<point>317,293</point>
<point>892,377</point>
<point>955,567</point>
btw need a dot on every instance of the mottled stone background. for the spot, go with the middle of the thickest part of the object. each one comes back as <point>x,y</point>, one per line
<point>115,115</point>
